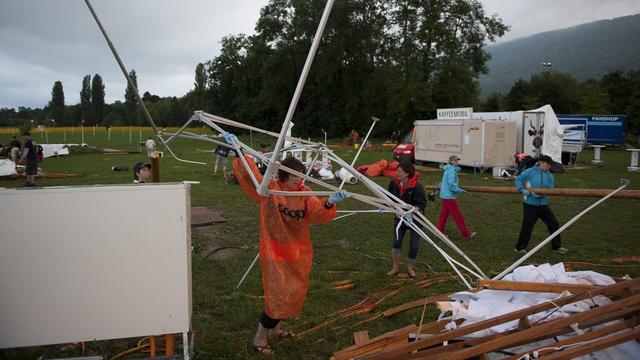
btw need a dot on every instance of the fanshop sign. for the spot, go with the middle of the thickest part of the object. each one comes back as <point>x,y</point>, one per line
<point>455,114</point>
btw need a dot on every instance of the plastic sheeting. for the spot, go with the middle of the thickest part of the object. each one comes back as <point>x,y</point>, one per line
<point>7,167</point>
<point>286,251</point>
<point>486,304</point>
<point>49,150</point>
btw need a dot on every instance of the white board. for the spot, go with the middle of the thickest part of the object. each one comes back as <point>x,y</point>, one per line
<point>94,263</point>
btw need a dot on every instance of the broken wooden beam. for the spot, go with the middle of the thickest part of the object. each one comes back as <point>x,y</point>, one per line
<point>541,330</point>
<point>622,194</point>
<point>533,287</point>
<point>360,337</point>
<point>416,303</point>
<point>485,324</point>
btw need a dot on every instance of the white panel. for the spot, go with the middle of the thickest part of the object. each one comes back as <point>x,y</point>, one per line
<point>85,263</point>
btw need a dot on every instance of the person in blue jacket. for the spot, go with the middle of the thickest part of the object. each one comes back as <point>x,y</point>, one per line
<point>449,191</point>
<point>537,206</point>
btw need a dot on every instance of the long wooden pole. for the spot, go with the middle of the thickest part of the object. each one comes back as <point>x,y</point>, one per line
<point>622,194</point>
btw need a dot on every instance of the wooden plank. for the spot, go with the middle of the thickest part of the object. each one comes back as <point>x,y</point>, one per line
<point>622,194</point>
<point>542,329</point>
<point>580,338</point>
<point>359,337</point>
<point>534,287</point>
<point>416,303</point>
<point>598,320</point>
<point>379,342</point>
<point>596,345</point>
<point>481,325</point>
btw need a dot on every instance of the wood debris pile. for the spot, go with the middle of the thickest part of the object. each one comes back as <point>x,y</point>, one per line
<point>578,319</point>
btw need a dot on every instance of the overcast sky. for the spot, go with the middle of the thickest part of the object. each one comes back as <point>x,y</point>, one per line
<point>42,41</point>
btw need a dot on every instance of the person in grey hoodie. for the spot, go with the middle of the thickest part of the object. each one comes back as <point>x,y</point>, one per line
<point>449,190</point>
<point>537,206</point>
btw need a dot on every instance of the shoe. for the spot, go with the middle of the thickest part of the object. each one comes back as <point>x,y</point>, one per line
<point>521,251</point>
<point>561,250</point>
<point>471,236</point>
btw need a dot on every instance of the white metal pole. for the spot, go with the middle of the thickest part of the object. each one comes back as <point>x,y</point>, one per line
<point>82,131</point>
<point>296,96</point>
<point>246,273</point>
<point>375,120</point>
<point>130,132</point>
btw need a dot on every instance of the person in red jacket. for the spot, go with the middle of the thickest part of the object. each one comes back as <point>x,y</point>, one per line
<point>286,251</point>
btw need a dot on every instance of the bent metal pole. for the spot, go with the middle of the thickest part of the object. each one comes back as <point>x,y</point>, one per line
<point>296,96</point>
<point>557,232</point>
<point>122,67</point>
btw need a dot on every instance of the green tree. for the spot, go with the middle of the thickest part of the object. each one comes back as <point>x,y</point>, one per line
<point>619,87</point>
<point>56,105</point>
<point>517,96</point>
<point>495,102</point>
<point>85,98</point>
<point>97,99</point>
<point>594,99</point>
<point>130,99</point>
<point>200,87</point>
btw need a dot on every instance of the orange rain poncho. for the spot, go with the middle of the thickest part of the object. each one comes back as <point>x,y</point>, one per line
<point>286,251</point>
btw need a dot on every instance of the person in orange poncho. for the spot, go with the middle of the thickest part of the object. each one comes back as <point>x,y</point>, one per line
<point>286,251</point>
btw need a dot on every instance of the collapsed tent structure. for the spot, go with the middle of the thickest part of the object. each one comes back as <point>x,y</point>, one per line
<point>378,197</point>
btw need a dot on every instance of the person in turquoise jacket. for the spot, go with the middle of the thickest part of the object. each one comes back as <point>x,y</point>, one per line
<point>449,190</point>
<point>537,206</point>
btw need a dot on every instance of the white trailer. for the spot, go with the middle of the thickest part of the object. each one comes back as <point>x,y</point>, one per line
<point>479,143</point>
<point>538,131</point>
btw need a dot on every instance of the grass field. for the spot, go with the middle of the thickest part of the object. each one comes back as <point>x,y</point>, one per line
<point>356,248</point>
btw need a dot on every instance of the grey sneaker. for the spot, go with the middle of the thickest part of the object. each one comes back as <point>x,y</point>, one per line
<point>561,250</point>
<point>521,251</point>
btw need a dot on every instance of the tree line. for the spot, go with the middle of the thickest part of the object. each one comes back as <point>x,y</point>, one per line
<point>615,93</point>
<point>398,60</point>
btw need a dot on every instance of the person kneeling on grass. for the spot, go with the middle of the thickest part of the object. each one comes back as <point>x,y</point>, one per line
<point>405,186</point>
<point>286,251</point>
<point>537,206</point>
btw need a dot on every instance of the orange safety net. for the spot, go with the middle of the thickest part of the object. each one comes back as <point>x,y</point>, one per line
<point>286,251</point>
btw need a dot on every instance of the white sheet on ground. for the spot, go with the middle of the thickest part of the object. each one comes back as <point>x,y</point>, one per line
<point>7,167</point>
<point>49,150</point>
<point>486,304</point>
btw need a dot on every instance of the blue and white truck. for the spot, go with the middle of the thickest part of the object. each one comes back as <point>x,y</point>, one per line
<point>600,129</point>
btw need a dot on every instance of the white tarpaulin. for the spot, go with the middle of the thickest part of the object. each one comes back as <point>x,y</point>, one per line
<point>7,167</point>
<point>486,304</point>
<point>49,150</point>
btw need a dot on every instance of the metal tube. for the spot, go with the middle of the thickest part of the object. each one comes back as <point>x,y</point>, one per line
<point>375,120</point>
<point>296,95</point>
<point>246,273</point>
<point>557,232</point>
<point>122,67</point>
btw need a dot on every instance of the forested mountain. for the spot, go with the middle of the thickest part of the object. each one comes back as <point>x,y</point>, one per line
<point>585,51</point>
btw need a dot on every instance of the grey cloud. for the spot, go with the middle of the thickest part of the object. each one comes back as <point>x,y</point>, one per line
<point>47,40</point>
<point>42,41</point>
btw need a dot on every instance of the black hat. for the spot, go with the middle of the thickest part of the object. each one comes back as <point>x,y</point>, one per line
<point>137,167</point>
<point>547,159</point>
